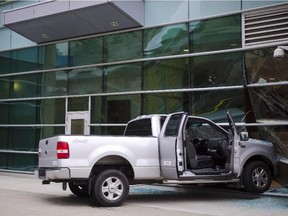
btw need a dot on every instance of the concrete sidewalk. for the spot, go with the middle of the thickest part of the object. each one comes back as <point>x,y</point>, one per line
<point>24,195</point>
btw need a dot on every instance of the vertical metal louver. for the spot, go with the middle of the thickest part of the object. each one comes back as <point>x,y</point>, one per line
<point>268,25</point>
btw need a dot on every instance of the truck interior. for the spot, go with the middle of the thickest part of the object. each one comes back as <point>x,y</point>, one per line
<point>207,147</point>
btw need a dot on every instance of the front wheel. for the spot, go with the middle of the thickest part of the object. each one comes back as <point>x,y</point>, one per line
<point>257,177</point>
<point>110,188</point>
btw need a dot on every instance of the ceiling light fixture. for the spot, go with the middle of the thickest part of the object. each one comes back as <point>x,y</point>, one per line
<point>114,24</point>
<point>45,36</point>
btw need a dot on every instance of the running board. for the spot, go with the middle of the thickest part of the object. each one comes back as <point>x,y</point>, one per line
<point>201,181</point>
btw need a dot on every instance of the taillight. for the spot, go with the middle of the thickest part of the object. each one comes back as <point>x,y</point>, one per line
<point>62,150</point>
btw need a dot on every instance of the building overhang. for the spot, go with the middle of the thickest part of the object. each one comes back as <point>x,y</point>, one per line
<point>58,20</point>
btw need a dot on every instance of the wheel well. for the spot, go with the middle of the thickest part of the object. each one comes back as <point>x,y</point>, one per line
<point>114,162</point>
<point>264,160</point>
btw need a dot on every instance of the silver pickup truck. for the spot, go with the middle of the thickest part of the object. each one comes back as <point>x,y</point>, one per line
<point>175,148</point>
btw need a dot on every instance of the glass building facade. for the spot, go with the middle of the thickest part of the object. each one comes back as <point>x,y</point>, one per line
<point>191,58</point>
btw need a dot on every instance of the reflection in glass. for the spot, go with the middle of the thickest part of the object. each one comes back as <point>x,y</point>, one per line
<point>217,70</point>
<point>22,162</point>
<point>24,60</point>
<point>85,81</point>
<point>23,112</point>
<point>52,111</point>
<point>86,51</point>
<point>24,86</point>
<point>23,138</point>
<point>167,40</point>
<point>215,104</point>
<point>4,87</point>
<point>53,55</point>
<point>262,67</point>
<point>123,46</point>
<point>215,34</point>
<point>122,78</point>
<point>163,103</point>
<point>5,62</point>
<point>51,131</point>
<point>54,83</point>
<point>166,74</point>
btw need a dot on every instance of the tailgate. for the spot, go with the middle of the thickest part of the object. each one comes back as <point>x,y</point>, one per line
<point>48,152</point>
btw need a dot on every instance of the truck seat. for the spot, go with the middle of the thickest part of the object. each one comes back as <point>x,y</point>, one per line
<point>196,161</point>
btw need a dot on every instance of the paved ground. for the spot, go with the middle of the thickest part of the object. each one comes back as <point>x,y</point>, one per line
<point>24,195</point>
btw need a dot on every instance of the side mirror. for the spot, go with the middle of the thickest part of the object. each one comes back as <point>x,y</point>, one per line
<point>244,136</point>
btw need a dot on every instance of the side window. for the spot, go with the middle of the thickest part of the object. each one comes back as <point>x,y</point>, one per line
<point>162,120</point>
<point>173,125</point>
<point>141,127</point>
<point>201,129</point>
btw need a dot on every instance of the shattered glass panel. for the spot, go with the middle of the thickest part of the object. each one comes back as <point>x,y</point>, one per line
<point>263,68</point>
<point>278,135</point>
<point>270,103</point>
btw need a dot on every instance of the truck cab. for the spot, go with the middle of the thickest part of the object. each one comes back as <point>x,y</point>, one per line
<point>207,153</point>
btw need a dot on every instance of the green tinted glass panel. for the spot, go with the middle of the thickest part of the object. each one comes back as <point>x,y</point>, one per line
<point>215,34</point>
<point>5,62</point>
<point>120,109</point>
<point>53,55</point>
<point>22,162</point>
<point>87,51</point>
<point>54,83</point>
<point>215,104</point>
<point>217,70</point>
<point>23,139</point>
<point>4,112</point>
<point>24,59</point>
<point>4,138</point>
<point>24,86</point>
<point>96,110</point>
<point>166,74</point>
<point>3,160</point>
<point>123,46</point>
<point>23,112</point>
<point>262,67</point>
<point>78,104</point>
<point>118,130</point>
<point>4,87</point>
<point>51,131</point>
<point>52,111</point>
<point>121,78</point>
<point>85,81</point>
<point>167,40</point>
<point>163,103</point>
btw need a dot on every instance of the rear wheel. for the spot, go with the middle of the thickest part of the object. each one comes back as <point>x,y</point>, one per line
<point>110,188</point>
<point>79,190</point>
<point>257,177</point>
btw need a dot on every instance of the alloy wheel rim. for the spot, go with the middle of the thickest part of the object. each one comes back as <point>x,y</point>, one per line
<point>112,188</point>
<point>260,177</point>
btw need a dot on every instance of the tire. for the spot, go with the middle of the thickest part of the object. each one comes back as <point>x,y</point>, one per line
<point>110,188</point>
<point>257,177</point>
<point>79,190</point>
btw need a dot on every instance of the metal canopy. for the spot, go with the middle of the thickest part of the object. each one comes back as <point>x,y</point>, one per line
<point>58,20</point>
